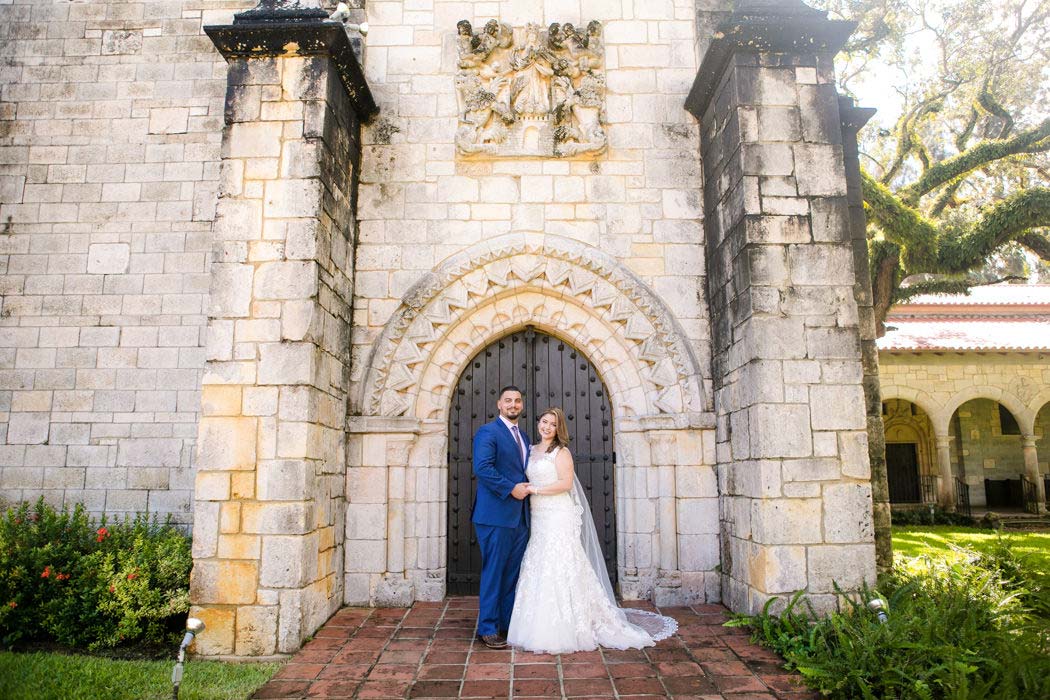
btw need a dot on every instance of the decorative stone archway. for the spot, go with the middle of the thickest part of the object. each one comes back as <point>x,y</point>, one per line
<point>666,494</point>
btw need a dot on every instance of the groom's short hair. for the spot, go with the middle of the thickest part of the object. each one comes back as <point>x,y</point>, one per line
<point>509,387</point>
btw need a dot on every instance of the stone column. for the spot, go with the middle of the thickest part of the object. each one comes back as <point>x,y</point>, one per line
<point>792,438</point>
<point>268,537</point>
<point>378,452</point>
<point>1031,470</point>
<point>946,492</point>
<point>852,118</point>
<point>668,588</point>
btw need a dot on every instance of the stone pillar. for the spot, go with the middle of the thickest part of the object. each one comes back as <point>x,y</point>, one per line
<point>1031,470</point>
<point>792,436</point>
<point>946,491</point>
<point>852,118</point>
<point>377,488</point>
<point>668,588</point>
<point>268,537</point>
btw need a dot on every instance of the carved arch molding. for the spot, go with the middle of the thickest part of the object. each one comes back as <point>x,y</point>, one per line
<point>569,288</point>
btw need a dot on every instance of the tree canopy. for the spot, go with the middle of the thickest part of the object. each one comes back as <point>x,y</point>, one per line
<point>956,173</point>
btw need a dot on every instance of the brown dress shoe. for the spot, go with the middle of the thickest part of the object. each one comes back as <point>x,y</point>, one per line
<point>493,641</point>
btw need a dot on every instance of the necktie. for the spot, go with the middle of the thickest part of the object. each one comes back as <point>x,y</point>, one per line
<point>520,442</point>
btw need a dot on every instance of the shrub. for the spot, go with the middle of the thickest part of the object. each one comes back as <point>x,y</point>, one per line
<point>927,516</point>
<point>960,631</point>
<point>68,579</point>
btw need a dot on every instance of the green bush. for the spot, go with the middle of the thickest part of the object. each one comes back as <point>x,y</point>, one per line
<point>68,579</point>
<point>962,631</point>
<point>926,516</point>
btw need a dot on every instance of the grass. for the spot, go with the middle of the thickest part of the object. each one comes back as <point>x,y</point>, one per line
<point>937,541</point>
<point>31,676</point>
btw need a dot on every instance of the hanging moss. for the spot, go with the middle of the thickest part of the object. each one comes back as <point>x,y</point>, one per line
<point>1035,140</point>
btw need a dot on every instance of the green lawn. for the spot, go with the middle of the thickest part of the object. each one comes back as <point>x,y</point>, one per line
<point>35,676</point>
<point>935,541</point>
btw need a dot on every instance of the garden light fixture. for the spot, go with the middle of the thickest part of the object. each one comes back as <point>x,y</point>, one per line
<point>193,627</point>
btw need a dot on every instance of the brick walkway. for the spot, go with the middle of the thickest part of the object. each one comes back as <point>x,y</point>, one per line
<point>428,651</point>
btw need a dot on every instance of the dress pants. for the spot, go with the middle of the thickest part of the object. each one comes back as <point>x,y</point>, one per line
<point>501,551</point>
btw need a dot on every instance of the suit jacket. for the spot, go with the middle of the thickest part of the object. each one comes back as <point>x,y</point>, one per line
<point>499,468</point>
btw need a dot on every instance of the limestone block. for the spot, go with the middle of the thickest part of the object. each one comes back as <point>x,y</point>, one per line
<point>755,478</point>
<point>829,218</point>
<point>29,428</point>
<point>260,400</point>
<point>220,400</point>
<point>231,290</point>
<point>853,454</point>
<point>780,569</point>
<point>226,443</point>
<point>286,280</point>
<point>219,630</point>
<point>777,229</point>
<point>819,170</point>
<point>239,546</point>
<point>288,562</point>
<point>230,582</point>
<point>149,452</point>
<point>849,565</point>
<point>212,486</point>
<point>366,484</point>
<point>238,219</point>
<point>365,556</point>
<point>275,518</point>
<point>698,552</point>
<point>287,363</point>
<point>205,528</point>
<point>366,521</point>
<point>837,407</point>
<point>108,258</point>
<point>815,469</point>
<point>169,120</point>
<point>833,343</point>
<point>786,521</point>
<point>698,516</point>
<point>293,198</point>
<point>256,630</point>
<point>769,439</point>
<point>848,513</point>
<point>821,265</point>
<point>285,480</point>
<point>253,140</point>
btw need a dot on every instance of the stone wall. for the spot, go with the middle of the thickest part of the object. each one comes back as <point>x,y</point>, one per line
<point>109,164</point>
<point>794,477</point>
<point>600,248</point>
<point>944,385</point>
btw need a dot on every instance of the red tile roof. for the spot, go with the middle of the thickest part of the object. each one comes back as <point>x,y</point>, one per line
<point>995,318</point>
<point>959,334</point>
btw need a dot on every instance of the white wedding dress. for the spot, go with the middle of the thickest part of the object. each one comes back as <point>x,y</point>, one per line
<point>564,601</point>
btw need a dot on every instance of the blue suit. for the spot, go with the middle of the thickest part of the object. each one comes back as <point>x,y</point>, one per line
<point>500,520</point>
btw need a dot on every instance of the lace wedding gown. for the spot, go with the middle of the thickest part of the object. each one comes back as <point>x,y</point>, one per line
<point>562,603</point>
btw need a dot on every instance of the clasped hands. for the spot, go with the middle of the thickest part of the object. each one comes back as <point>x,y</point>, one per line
<point>522,490</point>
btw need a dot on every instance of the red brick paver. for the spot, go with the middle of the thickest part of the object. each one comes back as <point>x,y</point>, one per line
<point>428,651</point>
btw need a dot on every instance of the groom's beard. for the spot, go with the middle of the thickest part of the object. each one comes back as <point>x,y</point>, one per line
<point>512,415</point>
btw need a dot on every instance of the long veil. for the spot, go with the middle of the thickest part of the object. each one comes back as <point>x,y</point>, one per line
<point>656,626</point>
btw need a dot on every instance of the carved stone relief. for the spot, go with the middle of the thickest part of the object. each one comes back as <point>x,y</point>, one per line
<point>555,268</point>
<point>530,92</point>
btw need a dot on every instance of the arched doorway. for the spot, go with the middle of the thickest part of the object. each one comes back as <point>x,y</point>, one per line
<point>550,372</point>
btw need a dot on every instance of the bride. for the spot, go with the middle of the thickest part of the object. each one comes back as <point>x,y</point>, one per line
<point>564,600</point>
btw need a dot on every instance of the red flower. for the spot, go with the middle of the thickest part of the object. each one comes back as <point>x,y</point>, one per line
<point>102,534</point>
<point>112,589</point>
<point>12,604</point>
<point>132,576</point>
<point>62,577</point>
<point>47,572</point>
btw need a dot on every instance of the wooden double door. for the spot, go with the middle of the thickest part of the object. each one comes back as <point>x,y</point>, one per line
<point>550,372</point>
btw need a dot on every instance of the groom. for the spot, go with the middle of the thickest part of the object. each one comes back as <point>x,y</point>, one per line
<point>500,515</point>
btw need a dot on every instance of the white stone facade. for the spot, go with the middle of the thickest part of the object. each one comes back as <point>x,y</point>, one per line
<point>224,299</point>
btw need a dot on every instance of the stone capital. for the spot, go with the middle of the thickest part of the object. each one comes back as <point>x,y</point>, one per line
<point>764,26</point>
<point>275,29</point>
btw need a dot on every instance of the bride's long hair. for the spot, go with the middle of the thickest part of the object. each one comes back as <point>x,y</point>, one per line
<point>561,435</point>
